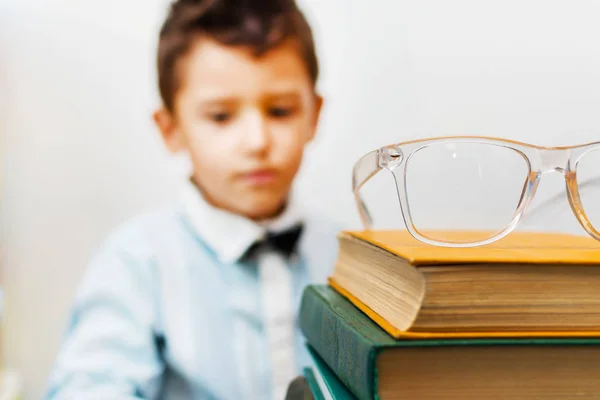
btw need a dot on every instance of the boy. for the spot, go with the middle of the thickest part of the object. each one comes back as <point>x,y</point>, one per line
<point>200,301</point>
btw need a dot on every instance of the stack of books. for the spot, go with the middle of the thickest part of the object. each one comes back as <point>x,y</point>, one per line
<point>515,319</point>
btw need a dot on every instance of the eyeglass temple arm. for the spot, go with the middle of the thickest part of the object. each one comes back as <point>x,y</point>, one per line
<point>550,201</point>
<point>364,169</point>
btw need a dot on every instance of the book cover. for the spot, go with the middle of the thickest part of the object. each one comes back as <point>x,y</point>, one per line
<point>515,248</point>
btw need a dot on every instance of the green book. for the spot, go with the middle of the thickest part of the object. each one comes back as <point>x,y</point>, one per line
<point>372,365</point>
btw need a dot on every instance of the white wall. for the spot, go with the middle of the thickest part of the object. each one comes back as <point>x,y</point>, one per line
<point>80,153</point>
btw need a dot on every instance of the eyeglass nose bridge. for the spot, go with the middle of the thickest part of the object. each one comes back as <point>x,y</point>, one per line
<point>553,160</point>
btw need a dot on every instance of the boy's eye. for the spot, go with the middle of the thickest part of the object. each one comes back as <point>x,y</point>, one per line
<point>281,112</point>
<point>219,117</point>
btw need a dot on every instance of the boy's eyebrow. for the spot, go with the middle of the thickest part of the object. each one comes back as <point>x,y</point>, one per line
<point>284,94</point>
<point>220,100</point>
<point>217,100</point>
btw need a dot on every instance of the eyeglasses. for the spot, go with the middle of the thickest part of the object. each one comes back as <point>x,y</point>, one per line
<point>466,191</point>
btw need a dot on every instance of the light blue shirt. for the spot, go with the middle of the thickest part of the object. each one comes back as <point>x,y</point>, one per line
<point>167,310</point>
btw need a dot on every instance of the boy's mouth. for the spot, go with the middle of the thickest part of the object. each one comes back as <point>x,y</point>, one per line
<point>259,177</point>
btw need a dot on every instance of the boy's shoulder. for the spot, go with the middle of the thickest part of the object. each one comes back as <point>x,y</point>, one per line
<point>133,252</point>
<point>140,234</point>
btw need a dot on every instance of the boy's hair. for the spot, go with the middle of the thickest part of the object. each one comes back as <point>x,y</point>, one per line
<point>257,24</point>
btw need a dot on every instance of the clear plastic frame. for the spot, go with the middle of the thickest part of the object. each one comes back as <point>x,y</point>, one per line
<point>536,160</point>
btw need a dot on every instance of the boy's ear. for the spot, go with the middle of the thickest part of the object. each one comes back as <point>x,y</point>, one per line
<point>167,126</point>
<point>316,116</point>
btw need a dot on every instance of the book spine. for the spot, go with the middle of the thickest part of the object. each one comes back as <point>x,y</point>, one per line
<point>349,355</point>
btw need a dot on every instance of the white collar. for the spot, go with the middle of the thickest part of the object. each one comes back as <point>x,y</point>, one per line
<point>229,235</point>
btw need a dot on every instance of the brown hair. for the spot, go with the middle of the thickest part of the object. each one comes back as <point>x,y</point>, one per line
<point>257,24</point>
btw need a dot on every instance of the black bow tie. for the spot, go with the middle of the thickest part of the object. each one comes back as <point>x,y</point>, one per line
<point>283,242</point>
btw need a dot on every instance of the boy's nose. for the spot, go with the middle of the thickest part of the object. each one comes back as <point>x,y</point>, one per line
<point>257,138</point>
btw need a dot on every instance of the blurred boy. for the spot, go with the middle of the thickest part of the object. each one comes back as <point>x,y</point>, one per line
<point>200,301</point>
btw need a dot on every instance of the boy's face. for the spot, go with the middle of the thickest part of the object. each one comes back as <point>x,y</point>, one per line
<point>244,122</point>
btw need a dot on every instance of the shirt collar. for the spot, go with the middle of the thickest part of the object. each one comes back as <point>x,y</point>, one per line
<point>229,235</point>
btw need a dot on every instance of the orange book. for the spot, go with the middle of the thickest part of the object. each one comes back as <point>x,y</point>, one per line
<point>526,284</point>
